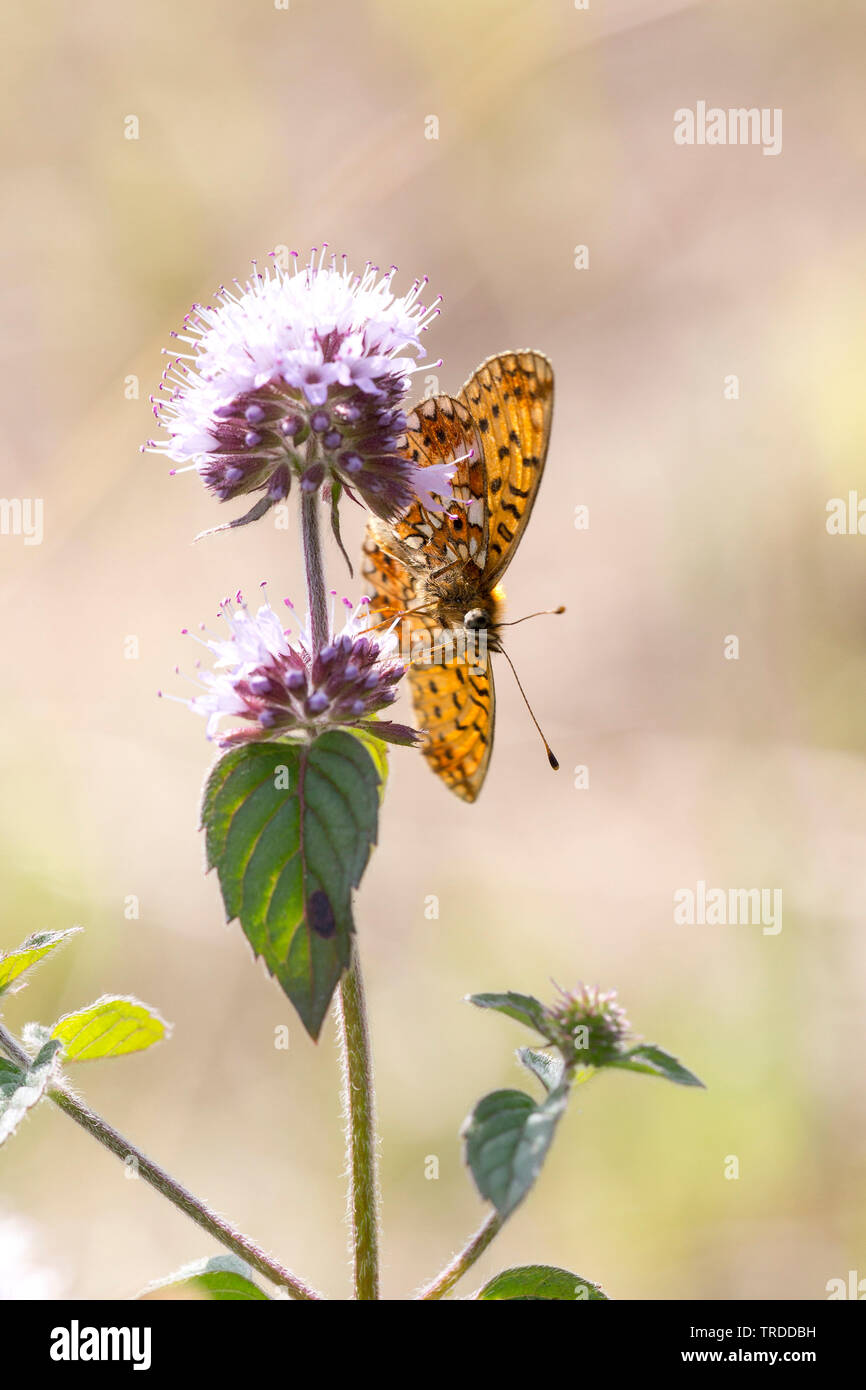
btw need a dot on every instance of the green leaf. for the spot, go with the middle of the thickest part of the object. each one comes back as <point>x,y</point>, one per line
<point>222,1278</point>
<point>524,1007</point>
<point>533,1282</point>
<point>506,1140</point>
<point>549,1070</point>
<point>29,953</point>
<point>654,1061</point>
<point>111,1027</point>
<point>378,751</point>
<point>21,1089</point>
<point>289,829</point>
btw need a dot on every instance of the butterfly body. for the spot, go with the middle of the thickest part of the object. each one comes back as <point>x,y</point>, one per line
<point>458,598</point>
<point>440,571</point>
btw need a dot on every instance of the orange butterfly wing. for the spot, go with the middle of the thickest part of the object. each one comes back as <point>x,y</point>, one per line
<point>441,430</point>
<point>391,583</point>
<point>456,704</point>
<point>510,398</point>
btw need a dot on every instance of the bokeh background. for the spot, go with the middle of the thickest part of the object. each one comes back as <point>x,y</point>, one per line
<point>263,127</point>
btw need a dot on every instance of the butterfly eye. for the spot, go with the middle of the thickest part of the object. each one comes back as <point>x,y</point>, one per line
<point>475,618</point>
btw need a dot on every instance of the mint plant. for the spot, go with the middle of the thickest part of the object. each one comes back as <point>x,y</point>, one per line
<point>293,388</point>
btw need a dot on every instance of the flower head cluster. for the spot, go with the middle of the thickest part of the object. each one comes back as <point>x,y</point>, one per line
<point>588,1025</point>
<point>300,373</point>
<point>281,686</point>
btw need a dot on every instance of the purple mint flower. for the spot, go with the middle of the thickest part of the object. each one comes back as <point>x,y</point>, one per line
<point>300,373</point>
<point>589,1025</point>
<point>281,686</point>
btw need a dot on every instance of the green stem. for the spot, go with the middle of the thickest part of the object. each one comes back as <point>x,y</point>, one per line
<point>361,1132</point>
<point>316,594</point>
<point>157,1177</point>
<point>472,1251</point>
<point>354,1032</point>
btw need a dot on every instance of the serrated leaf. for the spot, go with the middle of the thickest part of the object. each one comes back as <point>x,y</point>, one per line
<point>111,1027</point>
<point>654,1061</point>
<point>29,953</point>
<point>524,1007</point>
<point>222,1278</point>
<point>289,828</point>
<point>532,1282</point>
<point>549,1070</point>
<point>506,1140</point>
<point>21,1089</point>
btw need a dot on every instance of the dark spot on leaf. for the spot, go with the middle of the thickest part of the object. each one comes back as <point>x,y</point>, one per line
<point>320,914</point>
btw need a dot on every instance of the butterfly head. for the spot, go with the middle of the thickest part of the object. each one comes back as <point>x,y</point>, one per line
<point>485,615</point>
<point>476,618</point>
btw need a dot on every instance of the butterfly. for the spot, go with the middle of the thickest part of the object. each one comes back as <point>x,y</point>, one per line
<point>440,571</point>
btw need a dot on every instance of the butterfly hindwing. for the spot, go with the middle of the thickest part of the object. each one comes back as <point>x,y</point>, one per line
<point>392,585</point>
<point>456,704</point>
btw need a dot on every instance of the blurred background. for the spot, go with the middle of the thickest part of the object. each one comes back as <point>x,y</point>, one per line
<point>261,126</point>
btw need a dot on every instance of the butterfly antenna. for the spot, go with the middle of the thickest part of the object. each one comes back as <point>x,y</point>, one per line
<point>551,758</point>
<point>542,612</point>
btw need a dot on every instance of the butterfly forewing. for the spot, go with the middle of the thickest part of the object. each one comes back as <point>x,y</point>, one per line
<point>510,398</point>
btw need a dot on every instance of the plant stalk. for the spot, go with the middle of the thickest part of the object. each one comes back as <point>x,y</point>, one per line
<point>472,1251</point>
<point>316,594</point>
<point>359,1110</point>
<point>357,1061</point>
<point>157,1177</point>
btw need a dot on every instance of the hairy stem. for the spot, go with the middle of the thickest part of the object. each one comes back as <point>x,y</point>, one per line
<point>215,1226</point>
<point>354,1033</point>
<point>472,1251</point>
<point>316,594</point>
<point>490,1228</point>
<point>361,1131</point>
